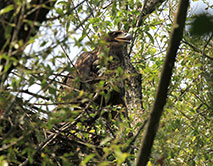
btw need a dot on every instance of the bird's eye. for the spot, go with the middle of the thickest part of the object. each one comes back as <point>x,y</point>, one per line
<point>112,33</point>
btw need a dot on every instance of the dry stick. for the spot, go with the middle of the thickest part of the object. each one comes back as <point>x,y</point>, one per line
<point>161,96</point>
<point>65,127</point>
<point>51,137</point>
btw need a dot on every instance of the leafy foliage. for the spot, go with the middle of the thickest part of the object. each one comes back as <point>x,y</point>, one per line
<point>43,125</point>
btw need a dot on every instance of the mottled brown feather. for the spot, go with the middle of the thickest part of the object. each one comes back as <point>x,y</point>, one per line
<point>88,64</point>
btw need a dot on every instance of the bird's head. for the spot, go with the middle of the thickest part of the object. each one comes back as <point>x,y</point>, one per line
<point>118,38</point>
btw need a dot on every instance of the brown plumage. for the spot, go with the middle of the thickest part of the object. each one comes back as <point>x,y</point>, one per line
<point>91,67</point>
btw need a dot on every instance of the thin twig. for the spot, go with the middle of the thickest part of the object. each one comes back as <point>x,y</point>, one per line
<point>108,5</point>
<point>29,93</point>
<point>6,146</point>
<point>59,16</point>
<point>135,137</point>
<point>65,127</point>
<point>203,52</point>
<point>138,24</point>
<point>196,49</point>
<point>82,22</point>
<point>70,61</point>
<point>51,137</point>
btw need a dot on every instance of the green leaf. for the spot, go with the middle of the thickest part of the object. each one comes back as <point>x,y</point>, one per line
<point>150,37</point>
<point>59,11</point>
<point>87,159</point>
<point>105,140</point>
<point>6,9</point>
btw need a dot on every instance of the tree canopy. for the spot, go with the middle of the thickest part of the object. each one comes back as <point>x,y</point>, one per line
<point>41,124</point>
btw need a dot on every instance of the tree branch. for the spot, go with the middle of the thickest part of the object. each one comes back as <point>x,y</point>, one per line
<point>160,100</point>
<point>197,49</point>
<point>22,32</point>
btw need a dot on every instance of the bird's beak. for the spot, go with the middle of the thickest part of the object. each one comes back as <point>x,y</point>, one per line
<point>124,38</point>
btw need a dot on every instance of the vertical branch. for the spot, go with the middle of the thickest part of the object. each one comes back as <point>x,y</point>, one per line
<point>161,96</point>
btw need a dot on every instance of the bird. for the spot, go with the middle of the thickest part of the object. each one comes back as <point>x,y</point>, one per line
<point>101,64</point>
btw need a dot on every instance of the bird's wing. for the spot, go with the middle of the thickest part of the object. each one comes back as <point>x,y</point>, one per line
<point>85,64</point>
<point>85,67</point>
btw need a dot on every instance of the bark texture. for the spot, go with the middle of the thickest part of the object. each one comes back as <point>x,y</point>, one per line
<point>133,90</point>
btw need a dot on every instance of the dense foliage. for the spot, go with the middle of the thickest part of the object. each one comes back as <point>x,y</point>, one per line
<point>43,125</point>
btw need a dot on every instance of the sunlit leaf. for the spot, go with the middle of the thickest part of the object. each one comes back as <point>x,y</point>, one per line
<point>6,9</point>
